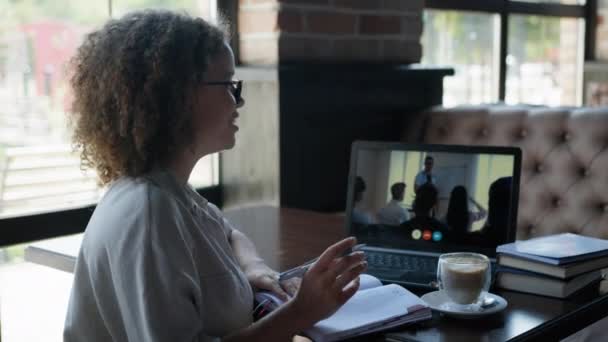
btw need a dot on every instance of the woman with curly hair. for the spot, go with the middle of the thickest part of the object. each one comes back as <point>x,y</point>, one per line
<point>154,93</point>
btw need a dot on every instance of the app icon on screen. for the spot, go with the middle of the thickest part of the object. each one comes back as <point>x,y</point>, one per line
<point>437,236</point>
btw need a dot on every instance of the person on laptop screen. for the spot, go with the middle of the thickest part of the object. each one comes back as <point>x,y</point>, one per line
<point>498,210</point>
<point>426,175</point>
<point>459,217</point>
<point>424,203</point>
<point>394,213</point>
<point>360,216</point>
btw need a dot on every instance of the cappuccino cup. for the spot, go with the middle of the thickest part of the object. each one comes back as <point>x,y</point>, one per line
<point>464,277</point>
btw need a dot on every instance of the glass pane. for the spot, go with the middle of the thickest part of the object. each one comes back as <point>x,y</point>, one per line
<point>597,94</point>
<point>203,8</point>
<point>601,40</point>
<point>595,89</point>
<point>33,298</point>
<point>38,170</point>
<point>206,172</point>
<point>545,60</point>
<point>468,42</point>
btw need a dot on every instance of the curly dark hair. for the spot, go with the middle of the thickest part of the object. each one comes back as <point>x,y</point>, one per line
<point>132,82</point>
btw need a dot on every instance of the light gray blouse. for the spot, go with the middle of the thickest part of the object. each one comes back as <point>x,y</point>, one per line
<point>156,265</point>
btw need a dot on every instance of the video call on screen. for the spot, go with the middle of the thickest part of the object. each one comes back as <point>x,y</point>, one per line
<point>406,198</point>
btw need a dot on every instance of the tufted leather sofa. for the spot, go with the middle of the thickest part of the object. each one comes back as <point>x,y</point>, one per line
<point>564,180</point>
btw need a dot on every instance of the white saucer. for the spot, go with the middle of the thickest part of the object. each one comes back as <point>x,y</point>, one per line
<point>438,301</point>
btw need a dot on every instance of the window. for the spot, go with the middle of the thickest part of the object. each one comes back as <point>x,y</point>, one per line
<point>465,41</point>
<point>544,64</point>
<point>509,51</point>
<point>38,170</point>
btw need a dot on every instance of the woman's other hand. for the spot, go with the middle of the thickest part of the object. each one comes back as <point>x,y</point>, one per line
<point>330,282</point>
<point>259,275</point>
<point>262,277</point>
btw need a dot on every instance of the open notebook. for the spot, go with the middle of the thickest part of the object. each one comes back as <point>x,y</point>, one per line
<point>373,308</point>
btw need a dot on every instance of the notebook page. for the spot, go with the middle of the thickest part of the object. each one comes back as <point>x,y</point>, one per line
<point>367,281</point>
<point>367,308</point>
<point>380,326</point>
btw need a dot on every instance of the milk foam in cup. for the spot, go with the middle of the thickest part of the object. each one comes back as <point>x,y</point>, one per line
<point>464,277</point>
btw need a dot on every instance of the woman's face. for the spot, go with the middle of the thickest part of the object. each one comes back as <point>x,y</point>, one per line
<point>215,108</point>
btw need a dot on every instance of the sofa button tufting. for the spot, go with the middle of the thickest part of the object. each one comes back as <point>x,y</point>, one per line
<point>565,137</point>
<point>538,168</point>
<point>557,202</point>
<point>484,132</point>
<point>523,133</point>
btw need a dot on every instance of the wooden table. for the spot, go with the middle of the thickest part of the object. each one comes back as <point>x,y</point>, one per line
<point>288,237</point>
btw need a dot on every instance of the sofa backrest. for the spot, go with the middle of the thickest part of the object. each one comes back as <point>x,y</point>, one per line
<point>564,179</point>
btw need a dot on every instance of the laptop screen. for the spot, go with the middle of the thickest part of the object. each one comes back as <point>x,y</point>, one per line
<point>433,198</point>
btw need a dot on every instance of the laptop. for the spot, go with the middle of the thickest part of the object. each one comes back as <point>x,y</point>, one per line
<point>409,203</point>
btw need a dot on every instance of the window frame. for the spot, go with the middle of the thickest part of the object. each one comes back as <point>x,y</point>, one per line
<point>28,228</point>
<point>506,8</point>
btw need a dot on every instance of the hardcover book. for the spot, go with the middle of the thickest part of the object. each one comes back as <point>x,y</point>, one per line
<point>529,282</point>
<point>557,249</point>
<point>564,271</point>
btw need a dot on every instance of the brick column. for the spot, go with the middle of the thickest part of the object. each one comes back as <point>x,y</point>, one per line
<point>273,31</point>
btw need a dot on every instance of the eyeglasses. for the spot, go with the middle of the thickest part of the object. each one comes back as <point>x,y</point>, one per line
<point>237,87</point>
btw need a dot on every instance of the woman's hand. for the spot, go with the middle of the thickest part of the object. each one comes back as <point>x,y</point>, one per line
<point>330,282</point>
<point>326,286</point>
<point>263,277</point>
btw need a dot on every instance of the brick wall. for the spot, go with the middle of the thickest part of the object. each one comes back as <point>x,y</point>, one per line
<point>272,31</point>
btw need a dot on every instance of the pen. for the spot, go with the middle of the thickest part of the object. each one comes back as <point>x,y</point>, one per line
<point>300,270</point>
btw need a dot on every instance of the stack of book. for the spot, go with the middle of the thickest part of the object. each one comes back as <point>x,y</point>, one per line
<point>554,265</point>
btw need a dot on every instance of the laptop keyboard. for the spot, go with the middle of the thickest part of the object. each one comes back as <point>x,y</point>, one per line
<point>402,268</point>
